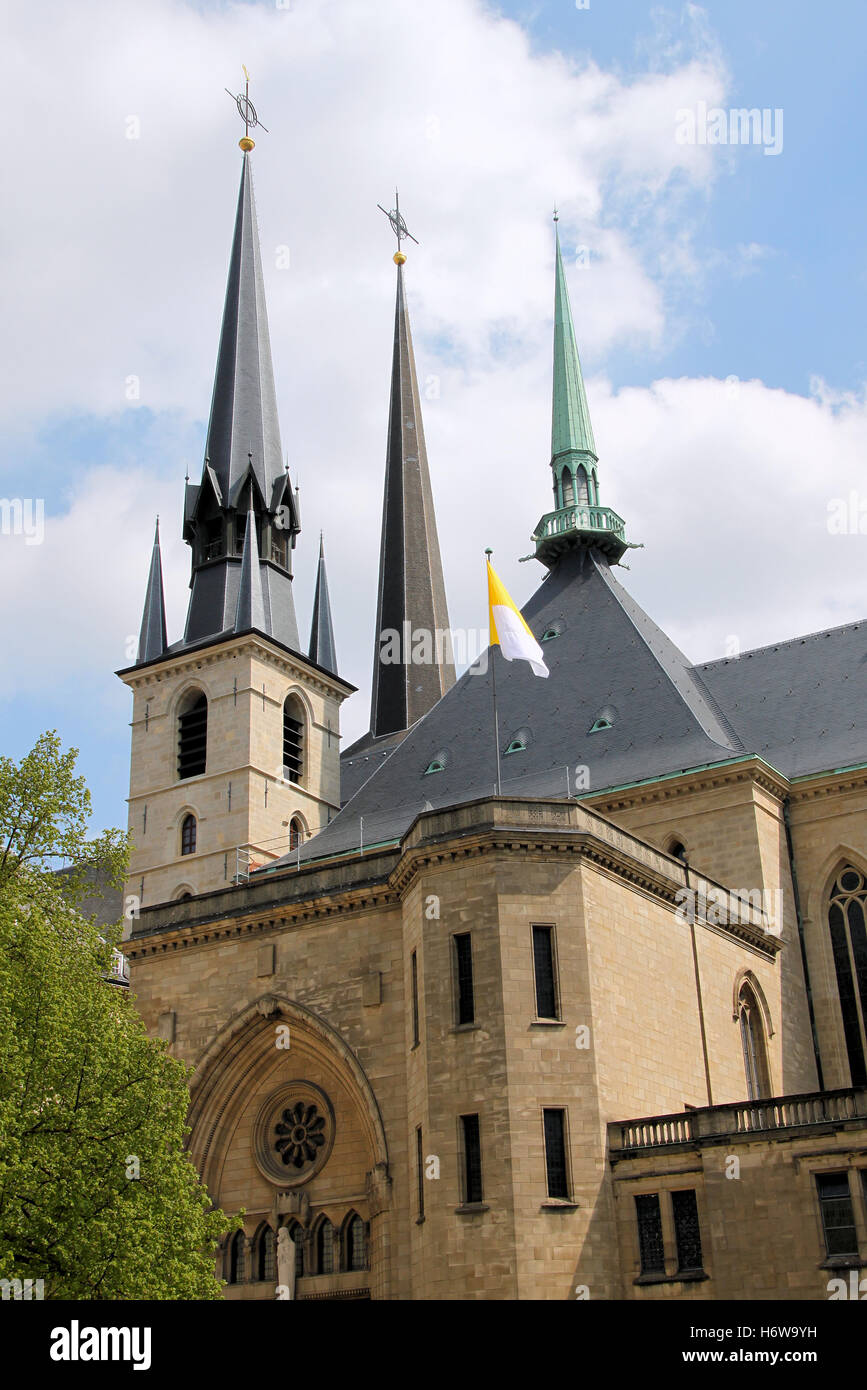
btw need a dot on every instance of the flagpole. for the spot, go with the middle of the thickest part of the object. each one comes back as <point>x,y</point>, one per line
<point>489,553</point>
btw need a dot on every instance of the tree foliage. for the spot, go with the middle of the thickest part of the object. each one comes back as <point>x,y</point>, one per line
<point>97,1196</point>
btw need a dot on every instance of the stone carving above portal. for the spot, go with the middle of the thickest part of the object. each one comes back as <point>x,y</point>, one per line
<point>293,1134</point>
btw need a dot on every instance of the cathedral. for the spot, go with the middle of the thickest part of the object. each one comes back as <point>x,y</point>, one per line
<point>576,1015</point>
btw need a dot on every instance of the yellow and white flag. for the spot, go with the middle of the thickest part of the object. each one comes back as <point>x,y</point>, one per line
<point>508,628</point>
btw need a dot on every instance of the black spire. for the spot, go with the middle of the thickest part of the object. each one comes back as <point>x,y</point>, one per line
<point>152,640</point>
<point>322,648</point>
<point>243,471</point>
<point>412,597</point>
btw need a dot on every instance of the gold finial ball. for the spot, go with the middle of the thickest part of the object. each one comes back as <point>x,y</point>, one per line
<point>399,258</point>
<point>247,144</point>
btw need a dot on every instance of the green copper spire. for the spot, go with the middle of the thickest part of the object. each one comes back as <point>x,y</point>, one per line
<point>578,519</point>
<point>571,430</point>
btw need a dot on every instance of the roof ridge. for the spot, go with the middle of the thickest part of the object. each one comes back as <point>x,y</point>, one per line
<point>786,642</point>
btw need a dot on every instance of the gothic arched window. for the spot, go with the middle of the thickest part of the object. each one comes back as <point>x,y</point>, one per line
<point>567,488</point>
<point>847,916</point>
<point>265,1257</point>
<point>354,1243</point>
<point>188,835</point>
<point>296,833</point>
<point>753,1043</point>
<point>582,494</point>
<point>237,1261</point>
<point>293,739</point>
<point>193,735</point>
<point>325,1247</point>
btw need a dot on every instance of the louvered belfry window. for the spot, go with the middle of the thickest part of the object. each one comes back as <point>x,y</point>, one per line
<point>193,739</point>
<point>293,741</point>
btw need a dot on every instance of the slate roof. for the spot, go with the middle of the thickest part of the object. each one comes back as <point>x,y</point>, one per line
<point>152,640</point>
<point>411,588</point>
<point>322,649</point>
<point>609,660</point>
<point>243,421</point>
<point>801,704</point>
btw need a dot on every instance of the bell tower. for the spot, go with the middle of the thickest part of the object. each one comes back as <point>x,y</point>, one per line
<point>235,733</point>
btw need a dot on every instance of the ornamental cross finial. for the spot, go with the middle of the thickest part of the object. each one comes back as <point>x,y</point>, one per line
<point>398,226</point>
<point>247,112</point>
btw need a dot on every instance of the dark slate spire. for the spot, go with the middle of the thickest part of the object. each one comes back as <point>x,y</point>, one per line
<point>411,596</point>
<point>152,640</point>
<point>243,422</point>
<point>578,518</point>
<point>251,604</point>
<point>322,648</point>
<point>243,467</point>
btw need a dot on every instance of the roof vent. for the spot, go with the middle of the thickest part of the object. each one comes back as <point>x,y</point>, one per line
<point>438,763</point>
<point>519,742</point>
<point>553,630</point>
<point>604,719</point>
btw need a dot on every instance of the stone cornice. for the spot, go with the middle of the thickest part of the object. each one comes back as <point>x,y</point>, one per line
<point>828,784</point>
<point>383,877</point>
<point>751,770</point>
<point>193,659</point>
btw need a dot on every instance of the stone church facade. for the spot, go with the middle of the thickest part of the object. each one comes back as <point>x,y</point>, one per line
<point>592,1028</point>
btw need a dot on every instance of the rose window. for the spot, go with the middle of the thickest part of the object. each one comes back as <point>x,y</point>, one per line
<point>300,1134</point>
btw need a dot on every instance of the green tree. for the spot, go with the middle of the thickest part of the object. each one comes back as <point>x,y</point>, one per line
<point>97,1196</point>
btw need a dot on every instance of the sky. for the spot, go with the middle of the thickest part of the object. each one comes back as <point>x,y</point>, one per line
<point>718,291</point>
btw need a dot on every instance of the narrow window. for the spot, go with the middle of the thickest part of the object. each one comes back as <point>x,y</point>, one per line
<point>838,1216</point>
<point>266,1255</point>
<point>188,835</point>
<point>419,1171</point>
<point>582,496</point>
<point>279,549</point>
<point>686,1230</point>
<point>296,833</point>
<point>567,487</point>
<point>297,1235</point>
<point>356,1257</point>
<point>543,969</point>
<point>193,737</point>
<point>212,539</point>
<point>753,1044</point>
<point>236,1258</point>
<point>472,1156</point>
<point>846,921</point>
<point>650,1233</point>
<point>414,972</point>
<point>325,1248</point>
<point>293,740</point>
<point>464,977</point>
<point>555,1153</point>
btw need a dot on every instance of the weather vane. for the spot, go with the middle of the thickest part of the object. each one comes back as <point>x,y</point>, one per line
<point>247,112</point>
<point>398,226</point>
